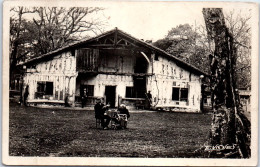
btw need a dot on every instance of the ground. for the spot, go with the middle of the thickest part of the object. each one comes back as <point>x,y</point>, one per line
<point>64,132</point>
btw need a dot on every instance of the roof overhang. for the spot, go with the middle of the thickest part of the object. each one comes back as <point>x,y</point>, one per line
<point>154,49</point>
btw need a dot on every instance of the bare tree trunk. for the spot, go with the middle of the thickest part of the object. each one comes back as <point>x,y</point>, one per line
<point>229,123</point>
<point>13,55</point>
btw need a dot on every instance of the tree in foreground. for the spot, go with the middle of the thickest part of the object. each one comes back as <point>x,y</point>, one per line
<point>229,124</point>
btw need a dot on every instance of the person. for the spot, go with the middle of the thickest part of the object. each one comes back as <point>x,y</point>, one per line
<point>67,100</point>
<point>84,98</point>
<point>26,94</point>
<point>100,113</point>
<point>148,100</point>
<point>149,95</point>
<point>121,121</point>
<point>123,110</point>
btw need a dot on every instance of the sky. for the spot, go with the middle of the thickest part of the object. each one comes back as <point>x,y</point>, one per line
<point>152,21</point>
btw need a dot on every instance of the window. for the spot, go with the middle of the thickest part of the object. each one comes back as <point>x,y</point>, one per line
<point>89,89</point>
<point>40,86</point>
<point>46,88</point>
<point>138,89</point>
<point>49,88</point>
<point>129,92</point>
<point>184,94</point>
<point>180,94</point>
<point>175,94</point>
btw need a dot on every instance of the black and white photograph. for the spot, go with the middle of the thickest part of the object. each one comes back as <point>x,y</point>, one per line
<point>130,83</point>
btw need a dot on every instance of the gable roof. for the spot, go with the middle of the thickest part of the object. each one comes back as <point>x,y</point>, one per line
<point>178,61</point>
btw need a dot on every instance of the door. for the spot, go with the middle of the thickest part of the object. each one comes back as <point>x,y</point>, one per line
<point>110,93</point>
<point>140,86</point>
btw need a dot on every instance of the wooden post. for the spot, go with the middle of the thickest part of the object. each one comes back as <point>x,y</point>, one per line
<point>152,60</point>
<point>116,35</point>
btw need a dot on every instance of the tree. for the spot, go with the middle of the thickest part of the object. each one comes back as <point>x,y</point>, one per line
<point>50,28</point>
<point>229,124</point>
<point>238,25</point>
<point>38,30</point>
<point>57,27</point>
<point>192,45</point>
<point>186,43</point>
<point>18,38</point>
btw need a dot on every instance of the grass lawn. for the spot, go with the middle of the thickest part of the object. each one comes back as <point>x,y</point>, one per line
<point>42,132</point>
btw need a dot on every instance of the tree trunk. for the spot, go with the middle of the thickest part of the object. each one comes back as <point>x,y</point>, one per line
<point>226,122</point>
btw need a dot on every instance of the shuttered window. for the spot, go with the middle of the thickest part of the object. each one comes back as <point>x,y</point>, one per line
<point>129,92</point>
<point>184,94</point>
<point>87,59</point>
<point>175,94</point>
<point>180,94</point>
<point>45,88</point>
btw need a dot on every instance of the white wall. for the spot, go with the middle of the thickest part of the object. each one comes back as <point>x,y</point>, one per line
<point>101,81</point>
<point>61,70</point>
<point>160,85</point>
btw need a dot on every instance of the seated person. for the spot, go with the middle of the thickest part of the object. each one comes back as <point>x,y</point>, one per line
<point>120,120</point>
<point>100,113</point>
<point>123,110</point>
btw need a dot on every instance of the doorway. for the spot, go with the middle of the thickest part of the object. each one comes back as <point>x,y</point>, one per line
<point>110,93</point>
<point>140,86</point>
<point>140,64</point>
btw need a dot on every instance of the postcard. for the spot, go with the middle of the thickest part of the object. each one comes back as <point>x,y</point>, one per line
<point>130,83</point>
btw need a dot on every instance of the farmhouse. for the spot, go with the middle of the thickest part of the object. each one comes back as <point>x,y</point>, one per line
<point>116,67</point>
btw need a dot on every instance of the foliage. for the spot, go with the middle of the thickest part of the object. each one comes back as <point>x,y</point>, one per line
<point>191,44</point>
<point>38,30</point>
<point>186,43</point>
<point>238,24</point>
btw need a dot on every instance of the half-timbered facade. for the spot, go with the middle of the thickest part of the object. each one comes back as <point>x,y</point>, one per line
<point>117,67</point>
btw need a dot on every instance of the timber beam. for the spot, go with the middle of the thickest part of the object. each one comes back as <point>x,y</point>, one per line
<point>113,73</point>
